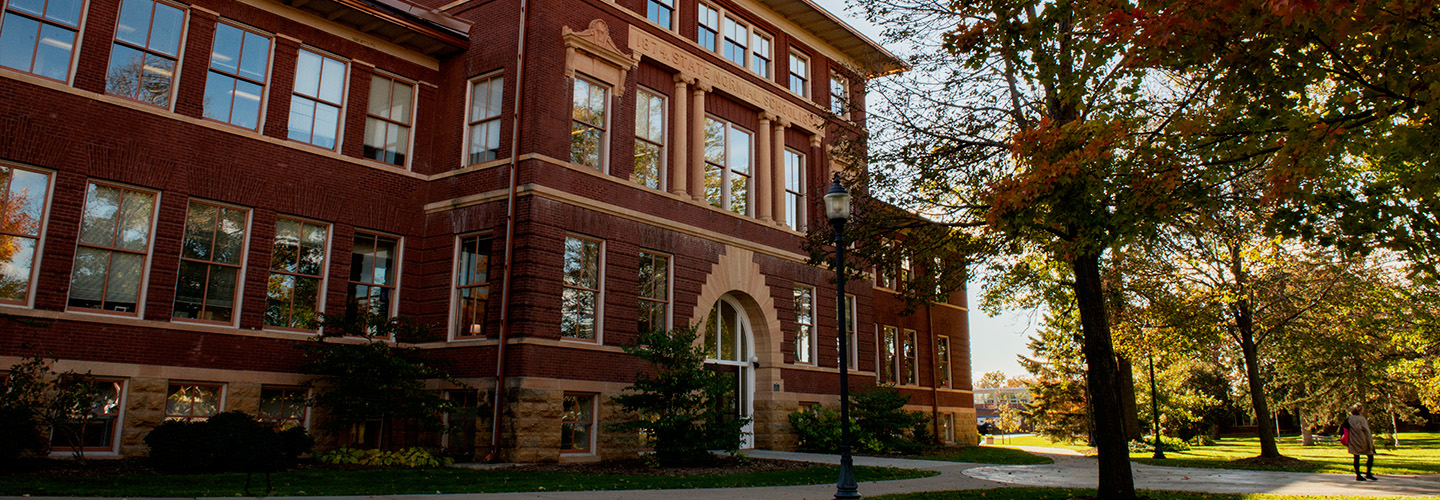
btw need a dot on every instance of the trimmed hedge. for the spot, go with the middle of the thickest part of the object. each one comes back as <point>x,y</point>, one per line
<point>230,441</point>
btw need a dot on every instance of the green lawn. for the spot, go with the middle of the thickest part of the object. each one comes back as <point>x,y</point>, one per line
<point>1040,441</point>
<point>985,455</point>
<point>410,481</point>
<point>1418,453</point>
<point>1068,493</point>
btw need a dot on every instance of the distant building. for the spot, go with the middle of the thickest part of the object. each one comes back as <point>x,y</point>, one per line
<point>990,400</point>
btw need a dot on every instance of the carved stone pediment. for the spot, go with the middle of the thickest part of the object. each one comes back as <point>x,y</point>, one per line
<point>592,49</point>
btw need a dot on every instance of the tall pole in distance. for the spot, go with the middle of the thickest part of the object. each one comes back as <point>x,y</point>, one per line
<point>837,208</point>
<point>1155,406</point>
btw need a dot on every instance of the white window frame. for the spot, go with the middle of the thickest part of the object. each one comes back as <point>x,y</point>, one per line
<point>662,4</point>
<point>454,328</point>
<point>608,122</point>
<point>703,12</point>
<point>29,302</point>
<point>599,290</point>
<point>906,375</point>
<point>661,174</point>
<point>117,433</point>
<point>886,358</point>
<point>669,285</point>
<point>812,343</point>
<point>264,85</point>
<point>490,79</point>
<point>727,21</point>
<point>414,105</point>
<point>219,397</point>
<point>839,103</point>
<point>344,103</point>
<point>804,75</point>
<point>142,293</point>
<point>324,271</point>
<point>795,199</point>
<point>179,50</point>
<point>590,449</point>
<point>244,263</point>
<point>757,36</point>
<point>399,260</point>
<point>854,335</point>
<point>80,24</point>
<point>942,357</point>
<point>728,169</point>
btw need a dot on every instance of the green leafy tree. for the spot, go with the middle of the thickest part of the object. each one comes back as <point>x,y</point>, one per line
<point>367,378</point>
<point>679,402</point>
<point>1059,407</point>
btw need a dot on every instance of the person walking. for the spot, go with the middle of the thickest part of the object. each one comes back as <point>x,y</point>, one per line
<point>1359,441</point>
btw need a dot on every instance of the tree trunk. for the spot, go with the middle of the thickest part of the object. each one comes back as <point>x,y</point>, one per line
<point>1257,386</point>
<point>1126,374</point>
<point>1245,325</point>
<point>1106,408</point>
<point>1307,438</point>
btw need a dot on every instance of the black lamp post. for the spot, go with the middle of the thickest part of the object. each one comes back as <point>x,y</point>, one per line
<point>837,209</point>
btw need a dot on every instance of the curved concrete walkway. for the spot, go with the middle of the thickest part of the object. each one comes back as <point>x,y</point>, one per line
<point>1071,469</point>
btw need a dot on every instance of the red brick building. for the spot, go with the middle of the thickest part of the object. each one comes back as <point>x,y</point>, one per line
<point>187,184</point>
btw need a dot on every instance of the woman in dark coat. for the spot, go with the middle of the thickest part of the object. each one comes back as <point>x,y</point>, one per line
<point>1360,442</point>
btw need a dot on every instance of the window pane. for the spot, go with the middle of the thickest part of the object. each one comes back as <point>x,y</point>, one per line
<point>220,299</point>
<point>400,102</point>
<point>134,24</point>
<point>307,302</point>
<point>332,80</point>
<point>165,32</point>
<point>27,200</point>
<point>255,58</point>
<point>87,278</point>
<point>52,56</point>
<point>65,11</point>
<point>312,250</point>
<point>122,291</point>
<point>246,111</point>
<point>647,164</point>
<point>380,88</point>
<point>102,213</point>
<point>279,292</point>
<point>286,252</point>
<point>218,90</point>
<point>230,237</point>
<point>302,118</point>
<point>18,37</point>
<point>384,261</point>
<point>307,74</point>
<point>327,124</point>
<point>577,317</point>
<point>18,258</point>
<point>135,220</point>
<point>36,7</point>
<point>190,289</point>
<point>126,66</point>
<point>225,54</point>
<point>199,231</point>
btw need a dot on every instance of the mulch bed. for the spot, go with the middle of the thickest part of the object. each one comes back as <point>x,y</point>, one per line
<point>638,467</point>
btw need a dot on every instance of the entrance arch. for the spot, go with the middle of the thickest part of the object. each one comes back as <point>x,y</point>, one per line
<point>730,349</point>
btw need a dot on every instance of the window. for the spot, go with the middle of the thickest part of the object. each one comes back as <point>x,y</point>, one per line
<point>576,423</point>
<point>804,324</point>
<point>315,104</point>
<point>727,166</point>
<point>839,95</point>
<point>654,292</point>
<point>760,55</point>
<point>850,327</point>
<point>297,270</point>
<point>147,44</point>
<point>888,351</point>
<point>192,402</point>
<point>947,428</point>
<point>942,362</point>
<point>649,138</point>
<point>587,126</point>
<point>283,407</point>
<point>909,372</point>
<point>736,35</point>
<point>660,12</point>
<point>799,74</point>
<point>461,422</point>
<point>388,120</point>
<point>581,297</point>
<point>235,87</point>
<point>97,429</point>
<point>210,257</point>
<point>114,244</point>
<point>23,196</point>
<point>472,286</point>
<point>709,29</point>
<point>483,125</point>
<point>372,275</point>
<point>794,190</point>
<point>904,276</point>
<point>38,36</point>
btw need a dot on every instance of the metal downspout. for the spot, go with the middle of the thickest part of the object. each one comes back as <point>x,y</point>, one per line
<point>497,402</point>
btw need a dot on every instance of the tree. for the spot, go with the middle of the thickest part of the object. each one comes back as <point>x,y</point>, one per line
<point>991,380</point>
<point>375,380</point>
<point>1025,124</point>
<point>1059,407</point>
<point>679,402</point>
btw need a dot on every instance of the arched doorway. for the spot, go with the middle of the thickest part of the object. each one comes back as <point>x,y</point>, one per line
<point>729,348</point>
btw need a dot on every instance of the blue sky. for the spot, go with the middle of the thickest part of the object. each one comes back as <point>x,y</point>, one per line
<point>994,341</point>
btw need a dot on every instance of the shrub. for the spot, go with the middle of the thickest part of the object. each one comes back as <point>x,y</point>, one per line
<point>680,402</point>
<point>414,457</point>
<point>1167,443</point>
<point>879,425</point>
<point>230,441</point>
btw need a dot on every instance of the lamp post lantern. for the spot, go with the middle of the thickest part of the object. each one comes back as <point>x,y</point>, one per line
<point>837,209</point>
